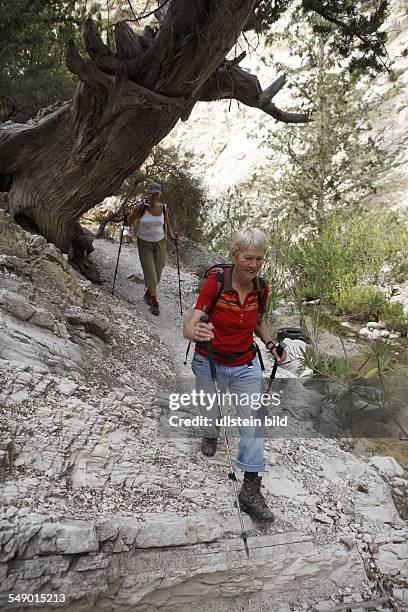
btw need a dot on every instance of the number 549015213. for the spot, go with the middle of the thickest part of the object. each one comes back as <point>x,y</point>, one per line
<point>36,598</point>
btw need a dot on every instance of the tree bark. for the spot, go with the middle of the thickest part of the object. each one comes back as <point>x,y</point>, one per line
<point>69,158</point>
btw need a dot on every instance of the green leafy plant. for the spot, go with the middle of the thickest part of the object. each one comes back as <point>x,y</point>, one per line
<point>33,72</point>
<point>356,386</point>
<point>361,302</point>
<point>394,316</point>
<point>341,263</point>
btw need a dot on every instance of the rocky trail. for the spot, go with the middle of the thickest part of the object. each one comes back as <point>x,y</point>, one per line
<point>102,503</point>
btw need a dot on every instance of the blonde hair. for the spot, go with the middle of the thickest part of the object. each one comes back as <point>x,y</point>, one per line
<point>249,237</point>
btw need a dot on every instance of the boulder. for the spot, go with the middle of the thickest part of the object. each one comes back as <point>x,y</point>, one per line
<point>69,537</point>
<point>95,324</point>
<point>11,262</point>
<point>12,237</point>
<point>51,274</point>
<point>376,325</point>
<point>387,465</point>
<point>196,258</point>
<point>401,594</point>
<point>393,559</point>
<point>16,305</point>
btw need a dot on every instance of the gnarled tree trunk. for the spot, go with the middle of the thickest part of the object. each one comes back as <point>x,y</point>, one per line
<point>68,159</point>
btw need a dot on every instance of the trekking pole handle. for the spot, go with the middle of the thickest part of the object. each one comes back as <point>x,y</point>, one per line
<point>280,347</point>
<point>204,319</point>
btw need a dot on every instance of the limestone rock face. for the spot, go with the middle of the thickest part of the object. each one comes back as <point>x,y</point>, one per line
<point>37,291</point>
<point>115,567</point>
<point>392,120</point>
<point>225,137</point>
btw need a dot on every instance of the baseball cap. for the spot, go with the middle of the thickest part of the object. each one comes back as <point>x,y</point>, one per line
<point>154,188</point>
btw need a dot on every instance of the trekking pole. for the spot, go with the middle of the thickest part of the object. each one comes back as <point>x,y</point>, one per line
<point>231,474</point>
<point>120,248</point>
<point>179,281</point>
<point>294,333</point>
<point>279,349</point>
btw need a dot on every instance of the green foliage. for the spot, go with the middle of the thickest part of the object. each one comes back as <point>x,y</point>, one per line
<point>307,293</point>
<point>32,65</point>
<point>361,302</point>
<point>394,316</point>
<point>324,244</point>
<point>322,365</point>
<point>231,213</point>
<point>330,163</point>
<point>351,252</point>
<point>265,14</point>
<point>372,380</point>
<point>355,27</point>
<point>359,37</point>
<point>367,302</point>
<point>376,360</point>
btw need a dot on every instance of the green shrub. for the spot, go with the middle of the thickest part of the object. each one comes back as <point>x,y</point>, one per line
<point>323,365</point>
<point>394,316</point>
<point>308,293</point>
<point>349,252</point>
<point>362,301</point>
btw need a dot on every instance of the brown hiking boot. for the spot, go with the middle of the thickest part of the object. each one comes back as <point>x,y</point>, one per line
<point>252,501</point>
<point>209,446</point>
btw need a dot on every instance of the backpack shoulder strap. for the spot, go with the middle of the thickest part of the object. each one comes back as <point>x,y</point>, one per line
<point>219,277</point>
<point>262,285</point>
<point>143,209</point>
<point>164,206</point>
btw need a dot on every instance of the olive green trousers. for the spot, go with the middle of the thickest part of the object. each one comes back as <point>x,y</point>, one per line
<point>153,257</point>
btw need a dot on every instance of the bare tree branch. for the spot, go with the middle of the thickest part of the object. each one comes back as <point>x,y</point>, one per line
<point>230,81</point>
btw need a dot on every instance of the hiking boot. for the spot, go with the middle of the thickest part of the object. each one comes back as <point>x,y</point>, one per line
<point>253,502</point>
<point>147,297</point>
<point>154,308</point>
<point>208,446</point>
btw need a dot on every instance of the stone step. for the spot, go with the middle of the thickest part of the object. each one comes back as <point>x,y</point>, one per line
<point>166,563</point>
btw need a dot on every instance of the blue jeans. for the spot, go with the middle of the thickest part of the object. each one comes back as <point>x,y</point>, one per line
<point>243,383</point>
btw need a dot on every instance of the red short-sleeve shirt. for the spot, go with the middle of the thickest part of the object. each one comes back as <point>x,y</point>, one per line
<point>234,323</point>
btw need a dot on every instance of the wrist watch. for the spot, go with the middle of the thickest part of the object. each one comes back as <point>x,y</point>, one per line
<point>268,345</point>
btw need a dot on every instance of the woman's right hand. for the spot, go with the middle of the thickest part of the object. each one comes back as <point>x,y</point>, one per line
<point>203,332</point>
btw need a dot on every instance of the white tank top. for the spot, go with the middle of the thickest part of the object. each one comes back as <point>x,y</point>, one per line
<point>151,227</point>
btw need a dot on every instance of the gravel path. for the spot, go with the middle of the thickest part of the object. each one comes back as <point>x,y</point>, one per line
<point>169,322</point>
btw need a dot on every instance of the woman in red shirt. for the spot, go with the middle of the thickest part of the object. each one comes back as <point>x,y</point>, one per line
<point>236,316</point>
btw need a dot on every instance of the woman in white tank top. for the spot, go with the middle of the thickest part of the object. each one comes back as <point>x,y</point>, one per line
<point>154,226</point>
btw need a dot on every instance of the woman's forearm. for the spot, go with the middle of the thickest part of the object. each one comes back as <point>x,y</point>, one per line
<point>133,215</point>
<point>169,229</point>
<point>262,331</point>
